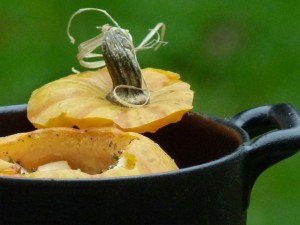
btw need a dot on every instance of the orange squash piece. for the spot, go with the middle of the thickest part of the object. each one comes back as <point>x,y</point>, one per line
<point>90,153</point>
<point>80,100</point>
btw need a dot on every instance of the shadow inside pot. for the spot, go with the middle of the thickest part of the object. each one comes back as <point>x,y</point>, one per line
<point>197,139</point>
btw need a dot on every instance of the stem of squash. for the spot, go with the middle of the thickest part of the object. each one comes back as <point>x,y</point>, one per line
<point>118,53</point>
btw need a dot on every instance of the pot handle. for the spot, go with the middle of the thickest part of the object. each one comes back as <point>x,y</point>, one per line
<point>268,146</point>
<point>274,146</point>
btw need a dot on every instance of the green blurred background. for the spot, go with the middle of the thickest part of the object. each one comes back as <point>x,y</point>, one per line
<point>235,54</point>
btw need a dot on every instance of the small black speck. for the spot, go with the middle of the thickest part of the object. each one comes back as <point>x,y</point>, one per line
<point>131,140</point>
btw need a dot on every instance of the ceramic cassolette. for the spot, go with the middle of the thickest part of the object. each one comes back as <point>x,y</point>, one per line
<point>219,161</point>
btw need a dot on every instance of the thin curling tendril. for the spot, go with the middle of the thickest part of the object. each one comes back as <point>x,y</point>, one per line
<point>127,104</point>
<point>86,48</point>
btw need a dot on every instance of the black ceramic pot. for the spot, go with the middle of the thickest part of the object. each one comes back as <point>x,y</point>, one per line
<point>219,164</point>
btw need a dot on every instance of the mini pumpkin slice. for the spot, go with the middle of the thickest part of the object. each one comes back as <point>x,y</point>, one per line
<point>84,100</point>
<point>74,153</point>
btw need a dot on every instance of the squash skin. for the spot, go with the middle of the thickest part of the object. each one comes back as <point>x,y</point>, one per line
<point>91,153</point>
<point>80,100</point>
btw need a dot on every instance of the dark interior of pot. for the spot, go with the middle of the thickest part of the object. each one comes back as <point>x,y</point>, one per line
<point>197,139</point>
<point>194,140</point>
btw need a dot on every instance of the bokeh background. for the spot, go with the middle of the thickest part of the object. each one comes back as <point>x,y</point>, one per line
<point>235,54</point>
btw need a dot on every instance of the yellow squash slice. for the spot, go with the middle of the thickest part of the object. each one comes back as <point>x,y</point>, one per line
<point>76,153</point>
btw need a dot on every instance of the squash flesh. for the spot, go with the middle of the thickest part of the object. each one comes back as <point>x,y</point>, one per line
<point>91,153</point>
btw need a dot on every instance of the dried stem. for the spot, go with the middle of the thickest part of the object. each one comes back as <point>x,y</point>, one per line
<point>118,53</point>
